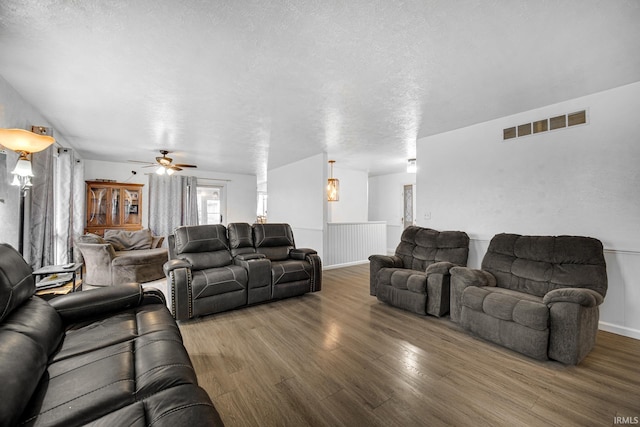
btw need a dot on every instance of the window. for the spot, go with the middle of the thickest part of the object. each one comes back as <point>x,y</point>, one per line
<point>209,204</point>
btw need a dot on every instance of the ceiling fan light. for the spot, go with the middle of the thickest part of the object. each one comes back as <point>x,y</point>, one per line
<point>170,171</point>
<point>160,170</point>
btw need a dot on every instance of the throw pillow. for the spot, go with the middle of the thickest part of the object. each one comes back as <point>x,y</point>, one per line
<point>90,238</point>
<point>123,240</point>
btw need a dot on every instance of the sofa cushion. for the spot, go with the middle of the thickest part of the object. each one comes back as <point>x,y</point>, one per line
<point>290,271</point>
<point>273,240</point>
<point>28,336</point>
<point>125,240</point>
<point>402,278</point>
<point>16,282</point>
<point>420,247</point>
<point>539,264</point>
<point>216,281</point>
<point>201,238</point>
<point>504,304</point>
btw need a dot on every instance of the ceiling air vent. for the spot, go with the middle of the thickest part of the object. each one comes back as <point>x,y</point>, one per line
<point>544,125</point>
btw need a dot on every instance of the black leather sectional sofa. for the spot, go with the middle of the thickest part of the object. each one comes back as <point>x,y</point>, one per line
<point>110,357</point>
<point>213,268</point>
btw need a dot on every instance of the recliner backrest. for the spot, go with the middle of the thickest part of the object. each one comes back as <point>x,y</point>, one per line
<point>240,238</point>
<point>204,246</point>
<point>539,264</point>
<point>420,247</point>
<point>273,240</point>
<point>16,281</point>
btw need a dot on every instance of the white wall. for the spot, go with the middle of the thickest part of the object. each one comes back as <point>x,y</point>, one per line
<point>386,203</point>
<point>240,190</point>
<point>581,180</point>
<point>352,206</point>
<point>297,195</point>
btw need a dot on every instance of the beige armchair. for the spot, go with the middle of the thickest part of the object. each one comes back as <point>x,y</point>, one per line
<point>122,257</point>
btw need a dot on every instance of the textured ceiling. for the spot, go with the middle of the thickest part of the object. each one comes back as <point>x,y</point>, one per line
<point>246,86</point>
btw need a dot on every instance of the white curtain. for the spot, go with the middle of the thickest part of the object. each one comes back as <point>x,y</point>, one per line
<point>172,203</point>
<point>69,202</point>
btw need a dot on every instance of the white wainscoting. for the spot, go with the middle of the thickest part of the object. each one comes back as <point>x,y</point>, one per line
<point>350,243</point>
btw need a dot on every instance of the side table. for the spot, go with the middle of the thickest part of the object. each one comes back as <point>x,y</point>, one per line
<point>59,277</point>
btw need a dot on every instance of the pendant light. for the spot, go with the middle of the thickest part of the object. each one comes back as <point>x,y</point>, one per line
<point>333,186</point>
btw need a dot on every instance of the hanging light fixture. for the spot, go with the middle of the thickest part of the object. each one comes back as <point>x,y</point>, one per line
<point>333,186</point>
<point>411,166</point>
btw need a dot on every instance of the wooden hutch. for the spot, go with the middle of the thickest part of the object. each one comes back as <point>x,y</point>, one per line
<point>113,205</point>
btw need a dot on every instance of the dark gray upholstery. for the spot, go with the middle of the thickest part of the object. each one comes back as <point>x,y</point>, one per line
<point>202,277</point>
<point>111,356</point>
<point>416,278</point>
<point>294,271</point>
<point>214,268</point>
<point>538,295</point>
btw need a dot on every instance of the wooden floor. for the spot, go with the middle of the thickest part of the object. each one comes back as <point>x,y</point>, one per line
<point>341,358</point>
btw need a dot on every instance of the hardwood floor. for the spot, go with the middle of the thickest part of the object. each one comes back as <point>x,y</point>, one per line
<point>341,358</point>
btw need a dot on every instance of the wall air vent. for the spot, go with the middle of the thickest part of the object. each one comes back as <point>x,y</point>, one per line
<point>544,125</point>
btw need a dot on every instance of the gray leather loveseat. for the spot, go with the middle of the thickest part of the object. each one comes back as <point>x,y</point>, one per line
<point>212,269</point>
<point>416,278</point>
<point>537,295</point>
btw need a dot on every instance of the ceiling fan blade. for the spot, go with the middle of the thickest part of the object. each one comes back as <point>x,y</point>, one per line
<point>175,168</point>
<point>139,161</point>
<point>182,165</point>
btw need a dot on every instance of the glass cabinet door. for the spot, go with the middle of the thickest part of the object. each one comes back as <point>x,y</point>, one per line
<point>115,206</point>
<point>131,205</point>
<point>97,206</point>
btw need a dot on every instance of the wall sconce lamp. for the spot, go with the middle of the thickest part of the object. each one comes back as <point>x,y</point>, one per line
<point>411,166</point>
<point>24,143</point>
<point>333,186</point>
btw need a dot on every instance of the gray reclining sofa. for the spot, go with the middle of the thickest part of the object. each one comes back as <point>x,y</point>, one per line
<point>214,269</point>
<point>537,295</point>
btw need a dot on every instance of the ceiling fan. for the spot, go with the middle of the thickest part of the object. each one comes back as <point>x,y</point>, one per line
<point>165,164</point>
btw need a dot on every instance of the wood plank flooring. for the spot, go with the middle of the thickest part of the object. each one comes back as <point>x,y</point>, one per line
<point>341,358</point>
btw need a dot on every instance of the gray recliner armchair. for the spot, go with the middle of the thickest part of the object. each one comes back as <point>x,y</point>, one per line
<point>416,278</point>
<point>537,295</point>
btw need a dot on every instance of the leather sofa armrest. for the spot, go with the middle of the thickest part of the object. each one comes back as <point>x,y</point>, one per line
<point>173,264</point>
<point>441,267</point>
<point>582,296</point>
<point>76,306</point>
<point>178,272</point>
<point>462,278</point>
<point>249,256</point>
<point>301,253</point>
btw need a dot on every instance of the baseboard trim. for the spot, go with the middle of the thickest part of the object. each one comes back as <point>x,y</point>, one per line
<point>619,330</point>
<point>346,264</point>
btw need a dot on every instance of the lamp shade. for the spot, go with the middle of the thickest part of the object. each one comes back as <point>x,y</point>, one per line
<point>23,168</point>
<point>21,140</point>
